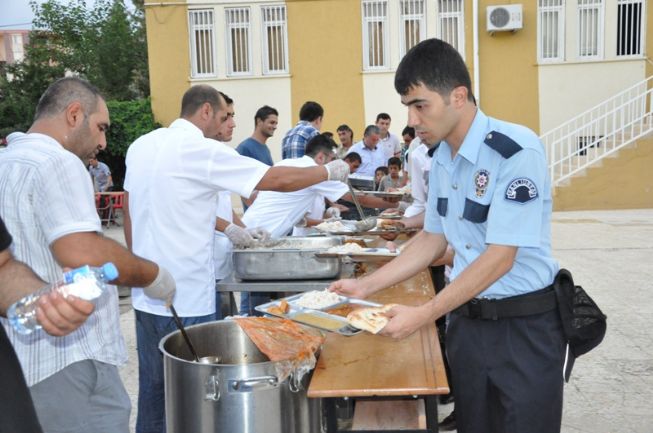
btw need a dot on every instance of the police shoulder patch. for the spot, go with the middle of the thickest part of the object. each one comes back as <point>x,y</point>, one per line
<point>502,144</point>
<point>521,190</point>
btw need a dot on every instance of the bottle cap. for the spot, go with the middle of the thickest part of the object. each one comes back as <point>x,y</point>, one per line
<point>110,271</point>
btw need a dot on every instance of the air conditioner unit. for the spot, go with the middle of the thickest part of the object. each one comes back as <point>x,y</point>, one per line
<point>504,18</point>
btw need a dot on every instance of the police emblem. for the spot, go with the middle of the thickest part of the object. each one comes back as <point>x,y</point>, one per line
<point>521,190</point>
<point>481,180</point>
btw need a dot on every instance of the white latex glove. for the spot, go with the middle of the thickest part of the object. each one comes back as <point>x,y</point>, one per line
<point>238,236</point>
<point>402,206</point>
<point>163,287</point>
<point>338,170</point>
<point>259,233</point>
<point>332,213</point>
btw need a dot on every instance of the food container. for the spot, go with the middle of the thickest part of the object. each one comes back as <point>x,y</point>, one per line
<point>240,393</point>
<point>292,258</point>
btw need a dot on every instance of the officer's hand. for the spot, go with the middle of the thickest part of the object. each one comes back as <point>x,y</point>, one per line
<point>392,247</point>
<point>405,320</point>
<point>163,287</point>
<point>239,236</point>
<point>60,316</point>
<point>349,287</point>
<point>337,170</point>
<point>259,234</point>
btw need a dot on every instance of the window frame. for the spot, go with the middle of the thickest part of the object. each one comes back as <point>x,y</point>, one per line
<point>210,28</point>
<point>559,10</point>
<point>457,15</point>
<point>587,5</point>
<point>265,41</point>
<point>229,26</point>
<point>415,17</point>
<point>385,26</point>
<point>642,29</point>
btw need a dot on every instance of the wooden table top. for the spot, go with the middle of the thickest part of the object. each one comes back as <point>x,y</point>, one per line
<point>367,365</point>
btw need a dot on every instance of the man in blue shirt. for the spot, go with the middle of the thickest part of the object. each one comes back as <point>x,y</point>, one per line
<point>266,120</point>
<point>490,199</point>
<point>310,122</point>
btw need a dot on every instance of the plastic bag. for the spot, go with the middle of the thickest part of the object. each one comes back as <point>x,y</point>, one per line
<point>290,346</point>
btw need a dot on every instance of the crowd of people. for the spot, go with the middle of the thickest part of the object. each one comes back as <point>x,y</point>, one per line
<point>480,194</point>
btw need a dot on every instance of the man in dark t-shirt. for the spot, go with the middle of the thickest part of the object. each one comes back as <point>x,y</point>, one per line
<point>16,281</point>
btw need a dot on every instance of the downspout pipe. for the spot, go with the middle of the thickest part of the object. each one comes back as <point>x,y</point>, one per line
<point>476,61</point>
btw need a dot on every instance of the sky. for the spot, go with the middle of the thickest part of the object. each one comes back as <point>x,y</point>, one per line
<point>15,14</point>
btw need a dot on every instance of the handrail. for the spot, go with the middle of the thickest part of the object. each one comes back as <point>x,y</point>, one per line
<point>600,131</point>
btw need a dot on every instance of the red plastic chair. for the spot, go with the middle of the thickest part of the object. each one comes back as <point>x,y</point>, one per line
<point>117,200</point>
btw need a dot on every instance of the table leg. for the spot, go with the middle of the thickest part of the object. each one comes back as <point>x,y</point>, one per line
<point>431,409</point>
<point>329,405</point>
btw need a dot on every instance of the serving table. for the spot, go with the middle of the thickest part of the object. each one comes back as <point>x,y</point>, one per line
<point>373,366</point>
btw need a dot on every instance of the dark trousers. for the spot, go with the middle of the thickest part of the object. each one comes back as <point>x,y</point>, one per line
<point>507,373</point>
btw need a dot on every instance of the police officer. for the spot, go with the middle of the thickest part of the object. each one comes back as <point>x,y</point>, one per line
<point>490,199</point>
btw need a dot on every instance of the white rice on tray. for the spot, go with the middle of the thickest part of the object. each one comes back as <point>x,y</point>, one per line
<point>317,299</point>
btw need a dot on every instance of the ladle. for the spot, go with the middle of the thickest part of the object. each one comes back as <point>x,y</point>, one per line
<point>366,223</point>
<point>183,333</point>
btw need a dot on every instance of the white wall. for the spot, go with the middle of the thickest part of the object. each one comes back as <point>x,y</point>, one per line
<point>380,97</point>
<point>567,90</point>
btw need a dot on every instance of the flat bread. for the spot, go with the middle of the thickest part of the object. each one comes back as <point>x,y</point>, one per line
<point>370,319</point>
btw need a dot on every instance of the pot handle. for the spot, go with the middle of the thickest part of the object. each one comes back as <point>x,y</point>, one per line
<point>255,383</point>
<point>212,388</point>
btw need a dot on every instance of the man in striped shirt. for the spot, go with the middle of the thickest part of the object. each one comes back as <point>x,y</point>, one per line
<point>47,203</point>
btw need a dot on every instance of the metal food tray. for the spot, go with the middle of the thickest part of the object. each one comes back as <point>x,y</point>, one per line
<point>376,232</point>
<point>294,311</point>
<point>292,258</point>
<point>365,255</point>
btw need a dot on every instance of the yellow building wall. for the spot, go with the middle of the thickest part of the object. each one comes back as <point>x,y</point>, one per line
<point>168,51</point>
<point>649,38</point>
<point>508,67</point>
<point>325,59</point>
<point>622,182</point>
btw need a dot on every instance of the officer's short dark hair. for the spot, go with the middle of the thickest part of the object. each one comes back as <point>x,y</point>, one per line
<point>310,111</point>
<point>353,157</point>
<point>408,130</point>
<point>197,96</point>
<point>384,116</point>
<point>371,129</point>
<point>227,99</point>
<point>264,112</point>
<point>65,91</point>
<point>435,64</point>
<point>319,143</point>
<point>394,161</point>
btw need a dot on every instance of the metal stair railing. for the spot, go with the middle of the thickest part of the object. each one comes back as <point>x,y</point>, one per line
<point>600,131</point>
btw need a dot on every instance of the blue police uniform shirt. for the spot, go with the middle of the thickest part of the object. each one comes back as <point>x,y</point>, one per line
<point>496,190</point>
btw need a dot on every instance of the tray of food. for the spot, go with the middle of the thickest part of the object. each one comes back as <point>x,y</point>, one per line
<point>327,311</point>
<point>391,214</point>
<point>358,254</point>
<point>287,259</point>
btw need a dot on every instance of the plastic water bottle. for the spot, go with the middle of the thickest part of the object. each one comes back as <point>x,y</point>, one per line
<point>86,283</point>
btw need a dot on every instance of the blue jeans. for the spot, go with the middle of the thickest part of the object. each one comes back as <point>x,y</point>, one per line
<point>150,329</point>
<point>249,300</point>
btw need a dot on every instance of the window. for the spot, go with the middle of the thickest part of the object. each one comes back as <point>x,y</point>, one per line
<point>451,24</point>
<point>629,27</point>
<point>238,41</point>
<point>550,30</point>
<point>202,48</point>
<point>375,25</point>
<point>413,25</point>
<point>590,28</point>
<point>275,39</point>
<point>17,47</point>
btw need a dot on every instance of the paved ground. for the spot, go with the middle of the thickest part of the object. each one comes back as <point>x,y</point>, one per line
<point>609,252</point>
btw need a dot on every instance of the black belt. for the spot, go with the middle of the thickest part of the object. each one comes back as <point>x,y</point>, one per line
<point>528,304</point>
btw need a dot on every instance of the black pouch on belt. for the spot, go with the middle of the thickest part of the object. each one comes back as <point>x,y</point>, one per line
<point>583,321</point>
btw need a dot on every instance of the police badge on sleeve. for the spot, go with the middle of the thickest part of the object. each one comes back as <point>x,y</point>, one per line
<point>521,190</point>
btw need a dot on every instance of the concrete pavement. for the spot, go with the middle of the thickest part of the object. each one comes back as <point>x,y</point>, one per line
<point>609,253</point>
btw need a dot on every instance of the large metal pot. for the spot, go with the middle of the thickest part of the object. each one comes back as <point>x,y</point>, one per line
<point>239,394</point>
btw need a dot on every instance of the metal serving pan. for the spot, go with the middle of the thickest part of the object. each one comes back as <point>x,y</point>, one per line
<point>292,258</point>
